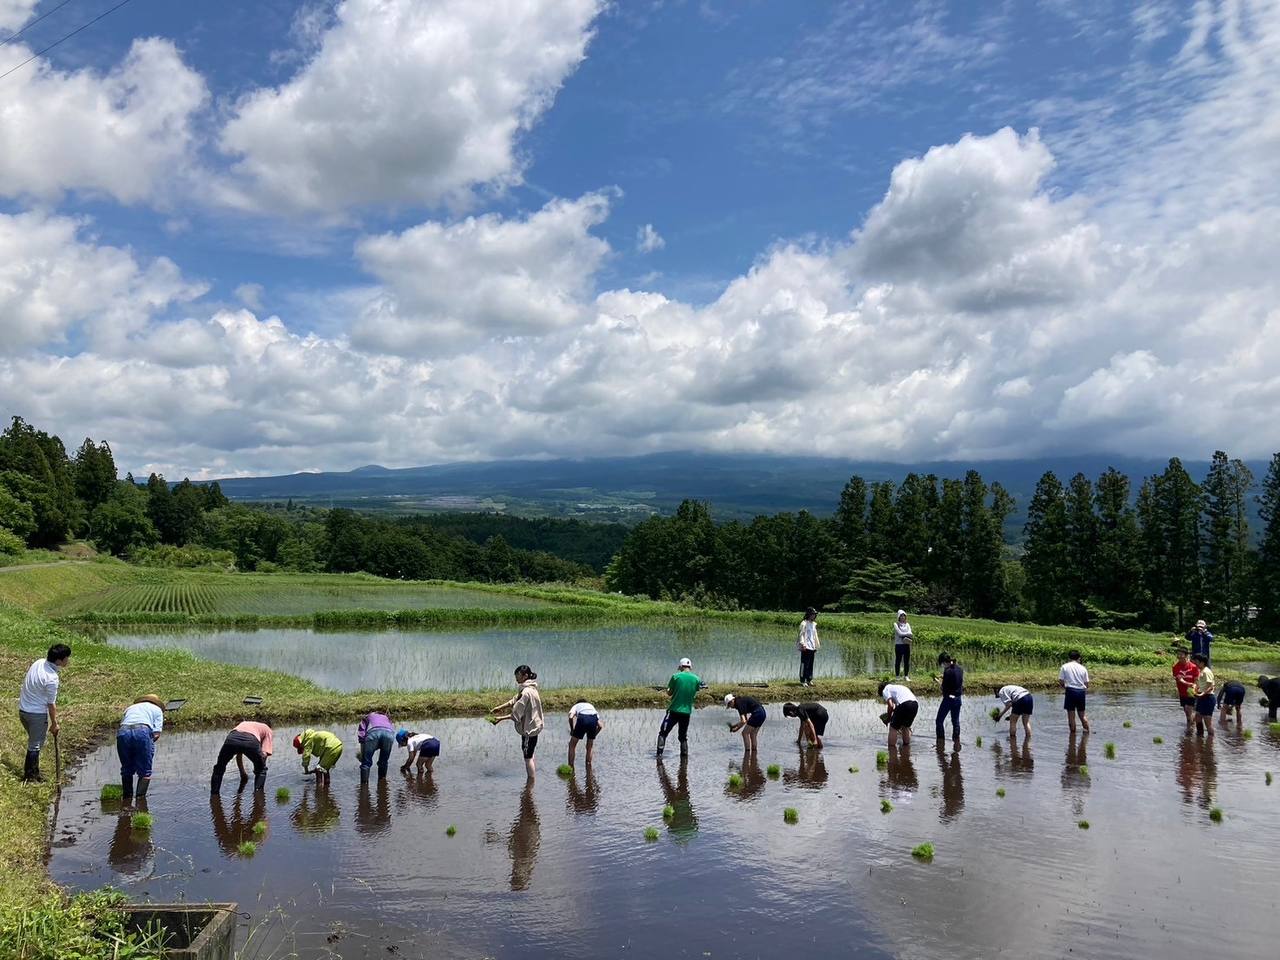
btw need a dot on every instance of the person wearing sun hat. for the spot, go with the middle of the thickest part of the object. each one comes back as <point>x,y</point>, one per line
<point>324,746</point>
<point>136,744</point>
<point>751,717</point>
<point>683,688</point>
<point>1200,638</point>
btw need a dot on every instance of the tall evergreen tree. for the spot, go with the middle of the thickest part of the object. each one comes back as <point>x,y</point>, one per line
<point>912,523</point>
<point>95,473</point>
<point>851,521</point>
<point>1118,567</point>
<point>949,547</point>
<point>1225,533</point>
<point>1178,502</point>
<point>1082,538</point>
<point>1048,553</point>
<point>881,526</point>
<point>1268,565</point>
<point>982,580</point>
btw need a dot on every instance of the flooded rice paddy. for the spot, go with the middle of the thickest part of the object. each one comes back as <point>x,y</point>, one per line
<point>563,869</point>
<point>471,659</point>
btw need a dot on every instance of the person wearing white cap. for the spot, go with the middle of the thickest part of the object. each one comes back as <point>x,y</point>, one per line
<point>1199,637</point>
<point>751,717</point>
<point>683,687</point>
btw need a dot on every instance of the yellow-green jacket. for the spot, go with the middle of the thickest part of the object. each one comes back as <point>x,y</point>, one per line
<point>320,744</point>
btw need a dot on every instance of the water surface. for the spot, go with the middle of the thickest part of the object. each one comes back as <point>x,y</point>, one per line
<point>562,869</point>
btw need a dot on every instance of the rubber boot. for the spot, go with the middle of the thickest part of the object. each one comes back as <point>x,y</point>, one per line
<point>143,784</point>
<point>215,782</point>
<point>662,742</point>
<point>31,769</point>
<point>260,783</point>
<point>126,788</point>
<point>684,748</point>
<point>364,776</point>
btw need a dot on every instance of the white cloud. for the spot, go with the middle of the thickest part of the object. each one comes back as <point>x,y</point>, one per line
<point>405,103</point>
<point>648,239</point>
<point>52,282</point>
<point>250,294</point>
<point>447,287</point>
<point>125,133</point>
<point>14,13</point>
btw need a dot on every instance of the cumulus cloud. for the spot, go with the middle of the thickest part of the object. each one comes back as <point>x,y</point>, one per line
<point>649,239</point>
<point>446,287</point>
<point>14,13</point>
<point>454,84</point>
<point>125,133</point>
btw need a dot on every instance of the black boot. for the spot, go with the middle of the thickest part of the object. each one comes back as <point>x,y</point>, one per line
<point>143,784</point>
<point>31,770</point>
<point>215,782</point>
<point>364,775</point>
<point>662,742</point>
<point>260,783</point>
<point>126,788</point>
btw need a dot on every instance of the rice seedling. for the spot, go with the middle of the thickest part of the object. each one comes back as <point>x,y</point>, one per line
<point>450,831</point>
<point>494,721</point>
<point>141,821</point>
<point>885,806</point>
<point>978,742</point>
<point>882,758</point>
<point>995,713</point>
<point>651,834</point>
<point>853,769</point>
<point>668,812</point>
<point>1083,824</point>
<point>282,795</point>
<point>112,793</point>
<point>1157,739</point>
<point>564,770</point>
<point>1000,792</point>
<point>923,851</point>
<point>1268,778</point>
<point>1128,724</point>
<point>1274,728</point>
<point>774,771</point>
<point>260,829</point>
<point>247,848</point>
<point>735,781</point>
<point>1109,749</point>
<point>1215,814</point>
<point>1247,734</point>
<point>1083,769</point>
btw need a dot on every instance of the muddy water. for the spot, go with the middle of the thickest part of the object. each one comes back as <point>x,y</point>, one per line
<point>563,870</point>
<point>483,659</point>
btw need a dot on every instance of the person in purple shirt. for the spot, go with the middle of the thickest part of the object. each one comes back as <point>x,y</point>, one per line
<point>377,734</point>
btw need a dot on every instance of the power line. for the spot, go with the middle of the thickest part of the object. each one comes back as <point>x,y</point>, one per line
<point>15,36</point>
<point>86,26</point>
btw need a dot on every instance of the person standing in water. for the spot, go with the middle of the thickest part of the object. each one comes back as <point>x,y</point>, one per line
<point>422,747</point>
<point>376,734</point>
<point>1270,687</point>
<point>813,721</point>
<point>751,717</point>
<point>252,739</point>
<point>1074,680</point>
<point>1200,638</point>
<point>325,747</point>
<point>952,696</point>
<point>1206,695</point>
<point>1018,702</point>
<point>808,645</point>
<point>136,744</point>
<point>526,714</point>
<point>1184,677</point>
<point>903,706</point>
<point>683,687</point>
<point>584,724</point>
<point>902,637</point>
<point>1231,697</point>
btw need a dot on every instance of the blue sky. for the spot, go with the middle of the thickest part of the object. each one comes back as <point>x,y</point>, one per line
<point>893,230</point>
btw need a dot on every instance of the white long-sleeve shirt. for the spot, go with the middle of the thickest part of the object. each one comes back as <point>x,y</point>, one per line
<point>808,635</point>
<point>39,687</point>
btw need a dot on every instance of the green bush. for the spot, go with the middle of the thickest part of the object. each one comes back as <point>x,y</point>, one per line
<point>88,926</point>
<point>11,545</point>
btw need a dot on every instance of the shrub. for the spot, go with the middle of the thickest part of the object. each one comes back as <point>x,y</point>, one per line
<point>651,833</point>
<point>791,815</point>
<point>247,848</point>
<point>88,926</point>
<point>141,821</point>
<point>923,851</point>
<point>11,545</point>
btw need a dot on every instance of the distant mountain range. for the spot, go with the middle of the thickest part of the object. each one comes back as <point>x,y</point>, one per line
<point>631,488</point>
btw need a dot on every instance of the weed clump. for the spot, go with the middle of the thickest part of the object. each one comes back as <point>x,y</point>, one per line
<point>668,812</point>
<point>450,830</point>
<point>1216,814</point>
<point>885,806</point>
<point>651,833</point>
<point>112,793</point>
<point>564,770</point>
<point>774,771</point>
<point>923,851</point>
<point>1083,824</point>
<point>882,758</point>
<point>1000,792</point>
<point>141,821</point>
<point>791,815</point>
<point>1127,724</point>
<point>1157,739</point>
<point>282,795</point>
<point>260,829</point>
<point>735,781</point>
<point>247,848</point>
<point>1110,750</point>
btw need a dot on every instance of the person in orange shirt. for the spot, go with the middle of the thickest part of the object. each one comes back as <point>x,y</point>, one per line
<point>1184,675</point>
<point>252,739</point>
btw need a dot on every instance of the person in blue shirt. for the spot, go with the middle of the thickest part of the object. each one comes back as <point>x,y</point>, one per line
<point>1200,638</point>
<point>136,745</point>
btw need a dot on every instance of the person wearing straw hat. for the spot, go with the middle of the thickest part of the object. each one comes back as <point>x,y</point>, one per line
<point>1200,638</point>
<point>683,688</point>
<point>322,745</point>
<point>136,744</point>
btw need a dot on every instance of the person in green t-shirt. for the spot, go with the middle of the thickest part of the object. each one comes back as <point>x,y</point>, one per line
<point>683,687</point>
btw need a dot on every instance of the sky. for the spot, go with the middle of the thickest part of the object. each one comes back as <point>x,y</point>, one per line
<point>258,236</point>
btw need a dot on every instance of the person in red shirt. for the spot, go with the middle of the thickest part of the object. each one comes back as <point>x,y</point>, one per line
<point>1184,675</point>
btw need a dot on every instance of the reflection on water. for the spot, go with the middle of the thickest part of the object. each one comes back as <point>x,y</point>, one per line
<point>560,868</point>
<point>644,654</point>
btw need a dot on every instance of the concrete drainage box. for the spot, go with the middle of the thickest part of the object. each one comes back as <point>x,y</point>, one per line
<point>193,931</point>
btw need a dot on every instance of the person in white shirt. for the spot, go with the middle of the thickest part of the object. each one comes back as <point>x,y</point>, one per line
<point>902,709</point>
<point>1074,680</point>
<point>136,744</point>
<point>422,747</point>
<point>584,724</point>
<point>902,637</point>
<point>37,706</point>
<point>1018,702</point>
<point>808,645</point>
